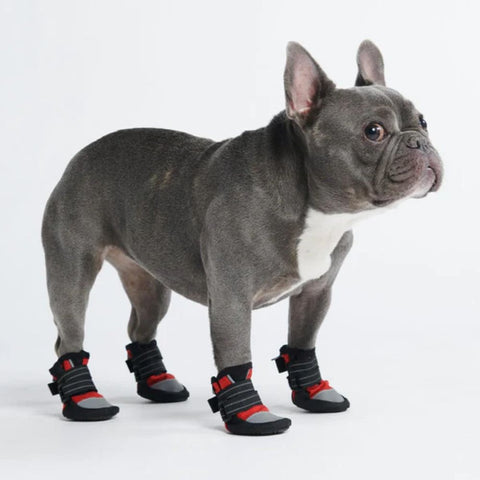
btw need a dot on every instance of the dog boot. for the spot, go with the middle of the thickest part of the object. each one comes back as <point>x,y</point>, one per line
<point>309,391</point>
<point>240,406</point>
<point>153,381</point>
<point>72,380</point>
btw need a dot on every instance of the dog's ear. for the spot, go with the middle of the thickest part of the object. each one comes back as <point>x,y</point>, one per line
<point>370,65</point>
<point>305,84</point>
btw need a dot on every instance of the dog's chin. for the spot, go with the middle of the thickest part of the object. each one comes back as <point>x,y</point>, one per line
<point>427,184</point>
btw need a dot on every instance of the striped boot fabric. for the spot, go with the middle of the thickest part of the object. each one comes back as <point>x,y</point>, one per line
<point>309,391</point>
<point>153,381</point>
<point>240,406</point>
<point>72,380</point>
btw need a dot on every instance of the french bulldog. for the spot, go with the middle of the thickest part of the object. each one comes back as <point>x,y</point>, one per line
<point>234,225</point>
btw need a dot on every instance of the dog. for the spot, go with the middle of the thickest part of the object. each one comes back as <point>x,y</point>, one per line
<point>235,225</point>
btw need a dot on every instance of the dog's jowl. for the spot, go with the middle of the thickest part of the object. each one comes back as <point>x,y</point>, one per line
<point>235,225</point>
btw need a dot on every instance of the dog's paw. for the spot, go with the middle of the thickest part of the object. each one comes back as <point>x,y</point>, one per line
<point>240,406</point>
<point>90,406</point>
<point>320,398</point>
<point>163,388</point>
<point>72,380</point>
<point>153,381</point>
<point>257,421</point>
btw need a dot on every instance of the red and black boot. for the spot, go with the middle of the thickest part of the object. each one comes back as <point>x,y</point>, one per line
<point>153,381</point>
<point>309,391</point>
<point>240,406</point>
<point>72,380</point>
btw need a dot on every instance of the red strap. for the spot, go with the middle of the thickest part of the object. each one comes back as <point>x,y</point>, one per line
<point>224,382</point>
<point>158,378</point>
<point>248,413</point>
<point>314,389</point>
<point>83,396</point>
<point>67,365</point>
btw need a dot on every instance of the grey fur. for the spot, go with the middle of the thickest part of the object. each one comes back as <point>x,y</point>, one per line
<point>219,222</point>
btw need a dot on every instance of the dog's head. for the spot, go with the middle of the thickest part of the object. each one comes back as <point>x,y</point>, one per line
<point>367,146</point>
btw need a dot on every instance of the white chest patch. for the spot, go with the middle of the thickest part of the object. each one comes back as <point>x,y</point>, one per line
<point>320,237</point>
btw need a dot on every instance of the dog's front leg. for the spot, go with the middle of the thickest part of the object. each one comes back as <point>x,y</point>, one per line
<point>229,278</point>
<point>306,314</point>
<point>235,397</point>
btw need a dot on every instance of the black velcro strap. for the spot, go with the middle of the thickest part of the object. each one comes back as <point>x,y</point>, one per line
<point>75,382</point>
<point>145,360</point>
<point>213,402</point>
<point>302,367</point>
<point>303,374</point>
<point>53,388</point>
<point>236,398</point>
<point>281,364</point>
<point>129,365</point>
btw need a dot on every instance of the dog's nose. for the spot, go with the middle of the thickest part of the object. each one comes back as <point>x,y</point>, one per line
<point>416,142</point>
<point>413,142</point>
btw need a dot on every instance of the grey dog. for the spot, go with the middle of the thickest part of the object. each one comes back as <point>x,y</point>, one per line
<point>235,225</point>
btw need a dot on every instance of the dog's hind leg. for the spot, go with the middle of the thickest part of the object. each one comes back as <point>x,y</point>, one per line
<point>72,266</point>
<point>150,300</point>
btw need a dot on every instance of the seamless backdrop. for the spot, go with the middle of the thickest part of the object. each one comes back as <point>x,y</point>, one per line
<point>401,339</point>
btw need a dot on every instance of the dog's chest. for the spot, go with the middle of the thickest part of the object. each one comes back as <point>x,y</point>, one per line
<point>320,236</point>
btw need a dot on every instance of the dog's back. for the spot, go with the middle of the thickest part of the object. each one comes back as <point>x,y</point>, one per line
<point>128,170</point>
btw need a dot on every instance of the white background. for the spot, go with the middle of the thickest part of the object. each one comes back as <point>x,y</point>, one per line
<point>402,337</point>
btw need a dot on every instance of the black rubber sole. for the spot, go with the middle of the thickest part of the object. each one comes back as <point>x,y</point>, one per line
<point>158,396</point>
<point>302,400</point>
<point>256,429</point>
<point>78,414</point>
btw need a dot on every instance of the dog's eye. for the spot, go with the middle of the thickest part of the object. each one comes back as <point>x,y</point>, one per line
<point>375,132</point>
<point>423,123</point>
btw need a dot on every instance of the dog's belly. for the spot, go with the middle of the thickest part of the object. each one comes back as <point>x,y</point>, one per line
<point>279,290</point>
<point>189,282</point>
<point>320,236</point>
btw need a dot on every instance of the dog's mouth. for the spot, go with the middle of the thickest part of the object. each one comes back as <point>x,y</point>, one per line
<point>436,184</point>
<point>434,172</point>
<point>404,184</point>
<point>430,182</point>
<point>382,203</point>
